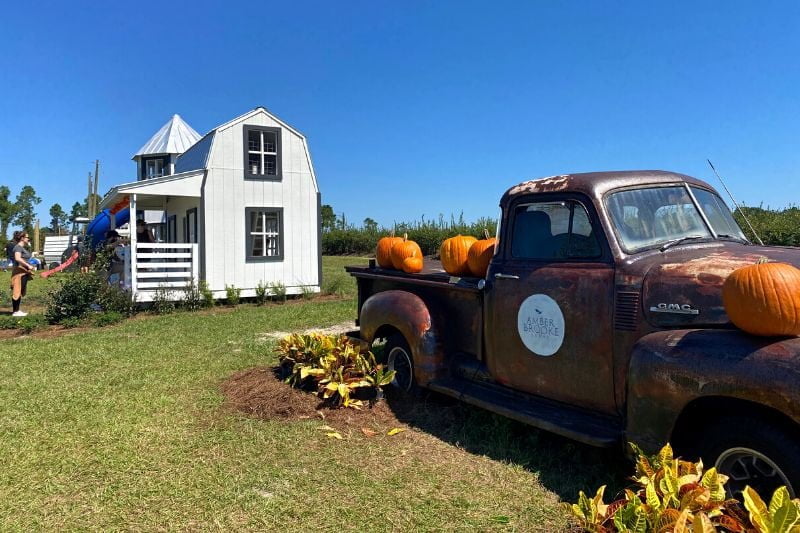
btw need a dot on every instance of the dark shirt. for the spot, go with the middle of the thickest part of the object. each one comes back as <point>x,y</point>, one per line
<point>23,252</point>
<point>10,250</point>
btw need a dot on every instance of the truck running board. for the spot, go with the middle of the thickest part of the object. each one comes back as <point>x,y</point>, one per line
<point>590,428</point>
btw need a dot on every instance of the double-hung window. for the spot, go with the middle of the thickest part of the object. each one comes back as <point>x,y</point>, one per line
<point>264,233</point>
<point>153,168</point>
<point>262,153</point>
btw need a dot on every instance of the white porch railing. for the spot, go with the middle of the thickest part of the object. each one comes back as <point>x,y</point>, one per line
<point>168,266</point>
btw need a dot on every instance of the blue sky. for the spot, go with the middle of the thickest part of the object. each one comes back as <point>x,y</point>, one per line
<point>411,108</point>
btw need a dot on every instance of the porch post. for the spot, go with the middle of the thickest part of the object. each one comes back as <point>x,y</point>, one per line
<point>133,254</point>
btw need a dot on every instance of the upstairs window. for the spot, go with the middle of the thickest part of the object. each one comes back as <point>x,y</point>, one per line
<point>153,168</point>
<point>264,233</point>
<point>262,153</point>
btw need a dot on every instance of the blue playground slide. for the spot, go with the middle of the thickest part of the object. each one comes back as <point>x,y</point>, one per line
<point>97,228</point>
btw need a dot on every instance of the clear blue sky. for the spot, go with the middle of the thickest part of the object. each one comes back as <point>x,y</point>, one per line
<point>411,108</point>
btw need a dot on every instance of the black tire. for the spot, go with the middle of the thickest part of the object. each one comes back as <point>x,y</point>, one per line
<point>53,265</point>
<point>399,358</point>
<point>762,454</point>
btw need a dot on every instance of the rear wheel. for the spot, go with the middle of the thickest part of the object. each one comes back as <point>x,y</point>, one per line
<point>399,359</point>
<point>752,452</point>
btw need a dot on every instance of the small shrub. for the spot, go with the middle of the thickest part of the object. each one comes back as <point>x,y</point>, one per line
<point>31,323</point>
<point>232,295</point>
<point>8,322</point>
<point>162,303</point>
<point>278,291</point>
<point>672,494</point>
<point>113,299</point>
<point>107,318</point>
<point>206,294</point>
<point>335,285</point>
<point>308,292</point>
<point>261,293</point>
<point>72,322</point>
<point>334,366</point>
<point>73,297</point>
<point>192,297</point>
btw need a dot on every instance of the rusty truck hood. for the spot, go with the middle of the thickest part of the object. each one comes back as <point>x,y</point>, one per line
<point>683,287</point>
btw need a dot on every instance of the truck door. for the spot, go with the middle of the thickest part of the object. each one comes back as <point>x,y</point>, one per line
<point>549,298</point>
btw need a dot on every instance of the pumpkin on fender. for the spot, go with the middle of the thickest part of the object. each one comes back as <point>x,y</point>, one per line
<point>453,254</point>
<point>480,254</point>
<point>403,249</point>
<point>383,253</point>
<point>764,299</point>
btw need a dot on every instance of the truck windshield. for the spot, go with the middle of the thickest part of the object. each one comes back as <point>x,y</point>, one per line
<point>644,218</point>
<point>718,214</point>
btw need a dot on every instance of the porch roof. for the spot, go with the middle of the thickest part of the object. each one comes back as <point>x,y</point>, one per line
<point>185,184</point>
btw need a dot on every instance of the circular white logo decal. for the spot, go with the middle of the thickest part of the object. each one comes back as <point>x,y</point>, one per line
<point>541,324</point>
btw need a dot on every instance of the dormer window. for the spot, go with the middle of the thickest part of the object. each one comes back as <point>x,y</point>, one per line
<point>262,157</point>
<point>153,168</point>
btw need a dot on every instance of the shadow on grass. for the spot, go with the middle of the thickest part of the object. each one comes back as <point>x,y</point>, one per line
<point>562,465</point>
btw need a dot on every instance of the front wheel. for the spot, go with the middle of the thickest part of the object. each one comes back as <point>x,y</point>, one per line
<point>399,359</point>
<point>751,452</point>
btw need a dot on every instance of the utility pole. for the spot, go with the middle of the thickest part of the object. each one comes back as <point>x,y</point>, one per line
<point>36,237</point>
<point>96,179</point>
<point>89,198</point>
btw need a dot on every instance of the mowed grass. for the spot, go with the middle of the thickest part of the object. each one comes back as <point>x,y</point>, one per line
<point>124,428</point>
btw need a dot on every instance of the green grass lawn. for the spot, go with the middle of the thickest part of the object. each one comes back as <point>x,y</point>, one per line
<point>123,428</point>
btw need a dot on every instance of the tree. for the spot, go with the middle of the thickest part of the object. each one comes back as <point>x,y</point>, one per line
<point>370,225</point>
<point>78,210</point>
<point>328,218</point>
<point>25,207</point>
<point>59,218</point>
<point>7,211</point>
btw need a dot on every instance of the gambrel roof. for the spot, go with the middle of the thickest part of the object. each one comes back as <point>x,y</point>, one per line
<point>174,137</point>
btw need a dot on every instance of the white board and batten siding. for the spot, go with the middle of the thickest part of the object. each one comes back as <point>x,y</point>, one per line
<point>227,194</point>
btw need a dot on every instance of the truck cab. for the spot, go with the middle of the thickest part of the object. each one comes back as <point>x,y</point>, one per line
<point>601,319</point>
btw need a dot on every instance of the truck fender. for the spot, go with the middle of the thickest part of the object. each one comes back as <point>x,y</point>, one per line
<point>408,314</point>
<point>670,370</point>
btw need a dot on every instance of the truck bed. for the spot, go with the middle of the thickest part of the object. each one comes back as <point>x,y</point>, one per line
<point>455,300</point>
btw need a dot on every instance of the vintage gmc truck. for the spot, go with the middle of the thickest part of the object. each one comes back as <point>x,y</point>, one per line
<point>601,319</point>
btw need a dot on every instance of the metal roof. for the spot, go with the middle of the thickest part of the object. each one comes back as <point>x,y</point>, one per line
<point>174,137</point>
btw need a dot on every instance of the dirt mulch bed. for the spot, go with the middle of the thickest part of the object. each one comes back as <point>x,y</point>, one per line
<point>258,392</point>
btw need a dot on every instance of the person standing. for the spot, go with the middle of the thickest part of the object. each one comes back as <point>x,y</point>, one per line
<point>20,273</point>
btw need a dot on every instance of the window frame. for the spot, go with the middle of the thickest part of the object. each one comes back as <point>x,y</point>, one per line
<point>152,159</point>
<point>191,213</point>
<point>248,235</point>
<point>172,228</point>
<point>246,152</point>
<point>588,206</point>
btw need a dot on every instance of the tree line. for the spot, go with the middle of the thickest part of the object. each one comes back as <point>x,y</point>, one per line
<point>21,212</point>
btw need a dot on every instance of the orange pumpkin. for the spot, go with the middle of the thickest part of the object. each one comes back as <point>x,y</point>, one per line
<point>453,254</point>
<point>480,254</point>
<point>764,299</point>
<point>383,253</point>
<point>412,265</point>
<point>403,249</point>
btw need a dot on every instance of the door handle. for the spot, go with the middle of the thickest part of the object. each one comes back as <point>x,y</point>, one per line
<point>505,276</point>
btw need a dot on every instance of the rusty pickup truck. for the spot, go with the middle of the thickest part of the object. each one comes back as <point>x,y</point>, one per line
<point>601,319</point>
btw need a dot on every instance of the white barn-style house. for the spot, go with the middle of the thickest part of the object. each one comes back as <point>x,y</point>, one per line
<point>240,207</point>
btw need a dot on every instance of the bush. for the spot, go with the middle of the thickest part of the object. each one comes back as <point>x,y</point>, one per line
<point>334,366</point>
<point>278,291</point>
<point>193,298</point>
<point>25,324</point>
<point>232,295</point>
<point>73,297</point>
<point>261,293</point>
<point>163,302</point>
<point>72,322</point>
<point>106,318</point>
<point>308,292</point>
<point>676,495</point>
<point>336,285</point>
<point>115,300</point>
<point>206,294</point>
